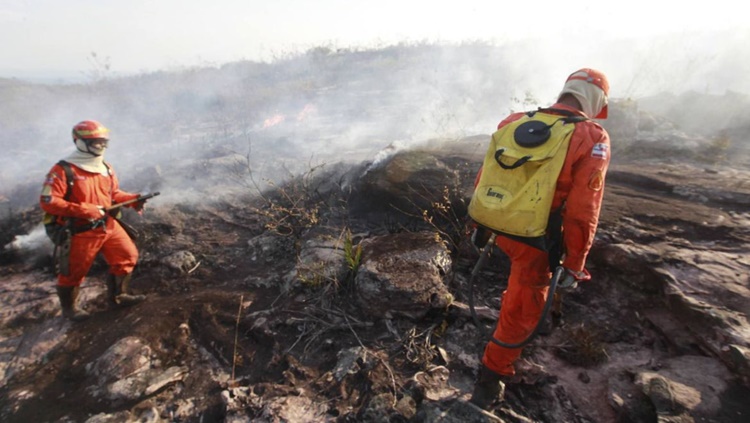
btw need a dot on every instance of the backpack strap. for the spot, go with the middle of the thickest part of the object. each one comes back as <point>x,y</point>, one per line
<point>111,183</point>
<point>69,178</point>
<point>70,181</point>
<point>570,117</point>
<point>53,229</point>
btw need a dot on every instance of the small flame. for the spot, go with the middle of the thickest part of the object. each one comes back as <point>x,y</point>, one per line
<point>306,111</point>
<point>273,121</point>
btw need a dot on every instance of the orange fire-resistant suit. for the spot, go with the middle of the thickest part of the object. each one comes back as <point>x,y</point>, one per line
<point>580,187</point>
<point>89,191</point>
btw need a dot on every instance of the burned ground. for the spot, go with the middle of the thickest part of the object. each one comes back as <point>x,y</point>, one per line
<point>253,336</point>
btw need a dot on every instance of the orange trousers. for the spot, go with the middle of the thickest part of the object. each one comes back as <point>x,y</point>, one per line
<point>522,304</point>
<point>118,250</point>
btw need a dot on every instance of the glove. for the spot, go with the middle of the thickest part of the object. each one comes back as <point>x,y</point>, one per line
<point>570,279</point>
<point>138,206</point>
<point>93,211</point>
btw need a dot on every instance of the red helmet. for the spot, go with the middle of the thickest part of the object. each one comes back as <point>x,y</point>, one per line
<point>598,79</point>
<point>89,130</point>
<point>592,76</point>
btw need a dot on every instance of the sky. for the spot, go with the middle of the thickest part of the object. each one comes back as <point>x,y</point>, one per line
<point>55,39</point>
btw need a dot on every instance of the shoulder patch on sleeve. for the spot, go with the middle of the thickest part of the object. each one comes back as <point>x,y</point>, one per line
<point>50,179</point>
<point>596,183</point>
<point>600,151</point>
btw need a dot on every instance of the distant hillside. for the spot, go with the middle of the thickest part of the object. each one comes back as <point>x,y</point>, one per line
<point>323,105</point>
<point>321,99</point>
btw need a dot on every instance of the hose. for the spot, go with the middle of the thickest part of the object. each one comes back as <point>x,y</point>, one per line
<point>483,255</point>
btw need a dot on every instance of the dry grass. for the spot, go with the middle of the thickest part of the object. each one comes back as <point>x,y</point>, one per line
<point>583,346</point>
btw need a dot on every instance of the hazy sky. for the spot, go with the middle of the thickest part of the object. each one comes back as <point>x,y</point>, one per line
<point>54,37</point>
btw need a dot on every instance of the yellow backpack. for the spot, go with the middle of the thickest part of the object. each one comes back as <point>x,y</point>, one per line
<point>513,196</point>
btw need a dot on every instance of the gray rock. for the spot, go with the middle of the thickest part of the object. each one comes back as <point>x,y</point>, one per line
<point>629,403</point>
<point>434,382</point>
<point>268,247</point>
<point>409,180</point>
<point>125,372</point>
<point>126,357</point>
<point>686,384</point>
<point>403,274</point>
<point>293,409</point>
<point>181,261</point>
<point>347,362</point>
<point>321,258</point>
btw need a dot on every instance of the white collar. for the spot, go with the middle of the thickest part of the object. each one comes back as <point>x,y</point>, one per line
<point>88,162</point>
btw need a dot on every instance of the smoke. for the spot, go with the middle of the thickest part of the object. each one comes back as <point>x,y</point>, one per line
<point>203,130</point>
<point>32,247</point>
<point>386,153</point>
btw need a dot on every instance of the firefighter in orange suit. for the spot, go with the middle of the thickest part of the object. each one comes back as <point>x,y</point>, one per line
<point>578,194</point>
<point>80,204</point>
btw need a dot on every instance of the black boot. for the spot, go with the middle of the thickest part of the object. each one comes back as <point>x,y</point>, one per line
<point>68,302</point>
<point>487,389</point>
<point>118,290</point>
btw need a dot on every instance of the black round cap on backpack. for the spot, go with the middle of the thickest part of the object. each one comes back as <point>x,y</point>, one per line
<point>532,134</point>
